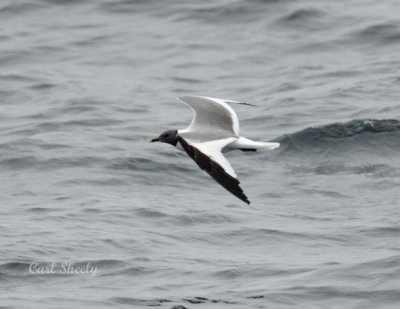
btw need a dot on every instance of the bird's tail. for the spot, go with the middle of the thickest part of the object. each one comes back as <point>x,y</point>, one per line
<point>246,144</point>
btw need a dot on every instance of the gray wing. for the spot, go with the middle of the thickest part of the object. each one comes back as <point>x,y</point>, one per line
<point>212,114</point>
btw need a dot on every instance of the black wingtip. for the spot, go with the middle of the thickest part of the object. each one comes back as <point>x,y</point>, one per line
<point>215,170</point>
<point>244,198</point>
<point>240,195</point>
<point>244,103</point>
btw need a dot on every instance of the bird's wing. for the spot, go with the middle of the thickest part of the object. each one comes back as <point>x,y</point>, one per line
<point>212,114</point>
<point>209,157</point>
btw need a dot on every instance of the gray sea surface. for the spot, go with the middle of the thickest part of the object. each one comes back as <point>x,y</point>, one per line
<point>93,216</point>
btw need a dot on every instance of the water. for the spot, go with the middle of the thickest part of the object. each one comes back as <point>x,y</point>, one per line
<point>85,84</point>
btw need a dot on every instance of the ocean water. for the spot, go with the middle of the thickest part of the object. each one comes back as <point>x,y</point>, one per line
<point>93,216</point>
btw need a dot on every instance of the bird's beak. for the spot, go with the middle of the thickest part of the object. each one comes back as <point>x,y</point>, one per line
<point>154,140</point>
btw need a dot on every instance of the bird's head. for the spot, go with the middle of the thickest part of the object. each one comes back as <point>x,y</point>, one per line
<point>169,137</point>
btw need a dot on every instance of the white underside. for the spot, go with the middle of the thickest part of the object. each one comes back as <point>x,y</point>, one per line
<point>245,143</point>
<point>214,149</point>
<point>207,115</point>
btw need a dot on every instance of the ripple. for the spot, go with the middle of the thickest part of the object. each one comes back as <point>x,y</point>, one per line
<point>386,33</point>
<point>301,14</point>
<point>14,7</point>
<point>138,301</point>
<point>303,18</point>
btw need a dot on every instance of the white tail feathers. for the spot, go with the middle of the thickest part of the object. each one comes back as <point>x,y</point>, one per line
<point>245,143</point>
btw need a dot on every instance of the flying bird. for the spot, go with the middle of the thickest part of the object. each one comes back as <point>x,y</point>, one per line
<point>213,131</point>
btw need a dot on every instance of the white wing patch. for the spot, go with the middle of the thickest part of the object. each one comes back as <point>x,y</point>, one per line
<point>209,158</point>
<point>213,149</point>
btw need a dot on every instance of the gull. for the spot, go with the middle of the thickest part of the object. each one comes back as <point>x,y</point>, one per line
<point>213,131</point>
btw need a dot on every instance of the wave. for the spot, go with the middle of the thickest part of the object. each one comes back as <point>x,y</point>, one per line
<point>304,17</point>
<point>368,137</point>
<point>380,33</point>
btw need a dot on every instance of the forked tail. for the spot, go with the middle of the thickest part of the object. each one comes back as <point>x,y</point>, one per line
<point>246,144</point>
